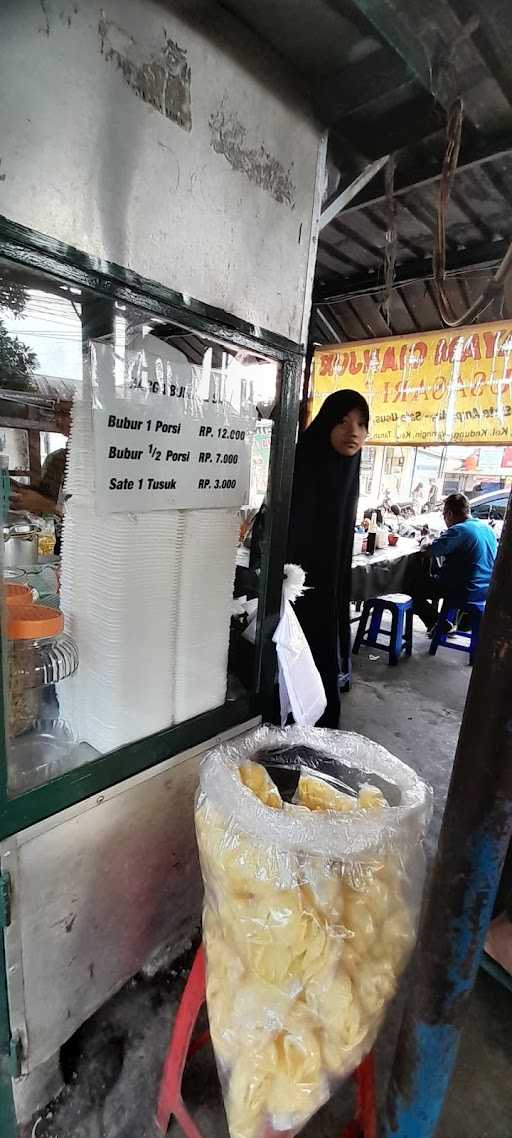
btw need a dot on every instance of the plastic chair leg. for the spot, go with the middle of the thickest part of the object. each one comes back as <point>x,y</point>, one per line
<point>448,615</point>
<point>408,632</point>
<point>366,1104</point>
<point>361,628</point>
<point>397,636</point>
<point>438,637</point>
<point>364,1125</point>
<point>185,1120</point>
<point>375,624</point>
<point>169,1100</point>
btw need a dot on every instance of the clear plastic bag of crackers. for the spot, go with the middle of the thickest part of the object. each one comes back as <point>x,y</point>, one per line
<point>311,853</point>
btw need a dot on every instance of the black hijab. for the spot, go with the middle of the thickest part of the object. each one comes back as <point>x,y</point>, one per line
<point>324,505</point>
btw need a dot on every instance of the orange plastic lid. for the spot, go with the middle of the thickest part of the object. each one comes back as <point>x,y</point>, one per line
<point>33,622</point>
<point>16,595</point>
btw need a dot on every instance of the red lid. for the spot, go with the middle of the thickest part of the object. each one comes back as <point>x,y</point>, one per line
<point>34,622</point>
<point>16,595</point>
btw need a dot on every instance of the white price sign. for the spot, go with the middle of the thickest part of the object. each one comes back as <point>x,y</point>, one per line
<point>162,457</point>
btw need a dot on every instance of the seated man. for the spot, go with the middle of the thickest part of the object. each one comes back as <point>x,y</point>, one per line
<point>468,548</point>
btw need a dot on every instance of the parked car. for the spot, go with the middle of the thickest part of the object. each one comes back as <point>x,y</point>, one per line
<point>490,507</point>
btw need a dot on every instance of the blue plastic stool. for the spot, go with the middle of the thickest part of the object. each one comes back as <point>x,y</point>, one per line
<point>441,639</point>
<point>399,640</point>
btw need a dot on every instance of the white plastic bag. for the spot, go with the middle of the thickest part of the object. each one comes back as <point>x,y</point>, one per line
<point>301,690</point>
<point>309,914</point>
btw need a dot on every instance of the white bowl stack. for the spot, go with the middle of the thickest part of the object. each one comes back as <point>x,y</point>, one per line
<point>206,590</point>
<point>147,596</point>
<point>125,623</point>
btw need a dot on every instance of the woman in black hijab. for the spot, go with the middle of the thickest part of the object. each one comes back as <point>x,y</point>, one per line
<point>321,533</point>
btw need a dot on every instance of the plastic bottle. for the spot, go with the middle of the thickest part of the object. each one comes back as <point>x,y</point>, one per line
<point>372,534</point>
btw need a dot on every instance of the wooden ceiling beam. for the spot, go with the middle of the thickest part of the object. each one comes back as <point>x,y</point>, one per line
<point>342,197</point>
<point>497,149</point>
<point>493,36</point>
<point>485,256</point>
<point>440,52</point>
<point>357,84</point>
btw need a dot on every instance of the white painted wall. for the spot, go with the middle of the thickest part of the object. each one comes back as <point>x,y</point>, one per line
<point>85,159</point>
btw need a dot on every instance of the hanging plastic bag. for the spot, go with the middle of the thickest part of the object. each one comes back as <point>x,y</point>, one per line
<point>301,690</point>
<point>310,845</point>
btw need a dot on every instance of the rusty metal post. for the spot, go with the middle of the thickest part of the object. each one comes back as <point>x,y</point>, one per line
<point>475,835</point>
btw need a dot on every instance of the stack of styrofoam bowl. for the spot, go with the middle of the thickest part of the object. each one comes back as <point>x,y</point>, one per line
<point>126,587</point>
<point>147,597</point>
<point>119,595</point>
<point>206,590</point>
<point>79,483</point>
<point>70,705</point>
<point>80,459</point>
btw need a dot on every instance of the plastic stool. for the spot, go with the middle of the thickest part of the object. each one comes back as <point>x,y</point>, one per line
<point>475,610</point>
<point>399,640</point>
<point>170,1101</point>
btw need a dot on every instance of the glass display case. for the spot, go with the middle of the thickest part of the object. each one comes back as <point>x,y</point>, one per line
<point>138,453</point>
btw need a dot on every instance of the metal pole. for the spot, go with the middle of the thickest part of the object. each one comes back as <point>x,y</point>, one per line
<point>276,529</point>
<point>475,835</point>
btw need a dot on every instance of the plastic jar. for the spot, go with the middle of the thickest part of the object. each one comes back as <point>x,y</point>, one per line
<point>40,653</point>
<point>17,595</point>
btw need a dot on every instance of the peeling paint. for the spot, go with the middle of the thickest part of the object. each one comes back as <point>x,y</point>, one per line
<point>46,13</point>
<point>228,136</point>
<point>66,15</point>
<point>159,73</point>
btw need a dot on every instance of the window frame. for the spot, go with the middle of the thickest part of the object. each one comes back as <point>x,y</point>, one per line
<point>56,259</point>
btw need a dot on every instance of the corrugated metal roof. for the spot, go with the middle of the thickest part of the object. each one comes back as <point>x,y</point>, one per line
<point>478,232</point>
<point>412,308</point>
<point>382,75</point>
<point>479,217</point>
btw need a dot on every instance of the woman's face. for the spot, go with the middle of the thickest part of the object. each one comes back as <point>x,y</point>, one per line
<point>350,435</point>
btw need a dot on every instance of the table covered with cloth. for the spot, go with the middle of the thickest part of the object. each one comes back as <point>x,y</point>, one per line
<point>384,571</point>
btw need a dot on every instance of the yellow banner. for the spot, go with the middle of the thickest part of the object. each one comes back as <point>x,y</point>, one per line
<point>452,386</point>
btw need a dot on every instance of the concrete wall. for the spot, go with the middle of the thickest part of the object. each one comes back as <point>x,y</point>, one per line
<point>160,136</point>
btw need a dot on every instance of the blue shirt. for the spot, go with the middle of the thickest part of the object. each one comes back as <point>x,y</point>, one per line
<point>469,549</point>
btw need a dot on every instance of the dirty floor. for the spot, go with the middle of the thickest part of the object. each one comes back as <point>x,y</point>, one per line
<point>112,1067</point>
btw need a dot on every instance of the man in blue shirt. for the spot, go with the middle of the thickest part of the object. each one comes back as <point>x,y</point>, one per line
<point>468,549</point>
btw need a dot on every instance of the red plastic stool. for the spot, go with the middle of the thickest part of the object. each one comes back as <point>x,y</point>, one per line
<point>170,1101</point>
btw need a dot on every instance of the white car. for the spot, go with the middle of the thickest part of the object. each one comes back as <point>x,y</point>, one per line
<point>490,507</point>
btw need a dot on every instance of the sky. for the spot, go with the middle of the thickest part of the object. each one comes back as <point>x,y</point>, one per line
<point>52,328</point>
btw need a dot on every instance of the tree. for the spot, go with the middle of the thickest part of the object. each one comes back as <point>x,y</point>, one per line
<point>17,360</point>
<point>12,296</point>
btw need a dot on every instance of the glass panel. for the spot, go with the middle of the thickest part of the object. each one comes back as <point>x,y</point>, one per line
<point>367,469</point>
<point>499,508</point>
<point>135,464</point>
<point>481,510</point>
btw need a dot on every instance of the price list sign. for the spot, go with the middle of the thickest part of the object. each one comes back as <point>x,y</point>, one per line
<point>164,456</point>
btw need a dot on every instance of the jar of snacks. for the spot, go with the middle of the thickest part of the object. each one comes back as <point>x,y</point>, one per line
<point>46,538</point>
<point>40,653</point>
